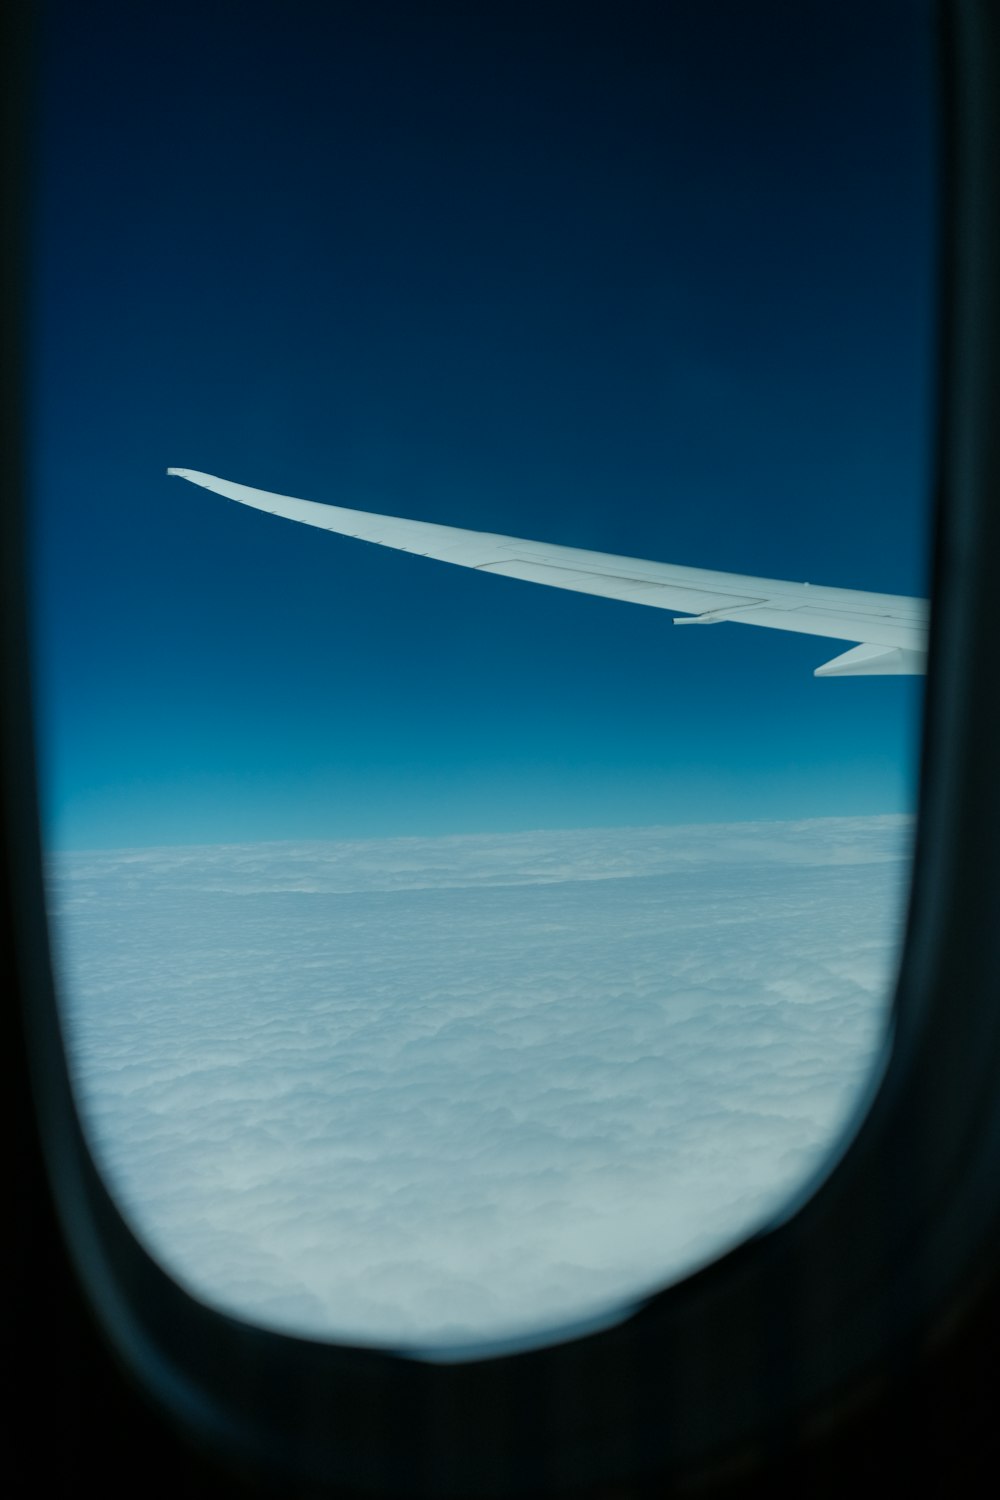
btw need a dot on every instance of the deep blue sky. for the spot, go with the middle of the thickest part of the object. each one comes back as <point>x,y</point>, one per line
<point>647,278</point>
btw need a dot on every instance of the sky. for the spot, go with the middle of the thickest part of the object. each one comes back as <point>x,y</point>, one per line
<point>448,1093</point>
<point>644,278</point>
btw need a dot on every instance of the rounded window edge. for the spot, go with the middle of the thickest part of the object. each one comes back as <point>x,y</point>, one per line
<point>791,1318</point>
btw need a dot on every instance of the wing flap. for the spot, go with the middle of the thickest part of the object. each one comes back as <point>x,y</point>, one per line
<point>615,586</point>
<point>873,661</point>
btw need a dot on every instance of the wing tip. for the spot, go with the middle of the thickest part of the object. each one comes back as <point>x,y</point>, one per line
<point>195,476</point>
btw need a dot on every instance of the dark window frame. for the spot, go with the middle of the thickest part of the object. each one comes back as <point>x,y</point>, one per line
<point>809,1319</point>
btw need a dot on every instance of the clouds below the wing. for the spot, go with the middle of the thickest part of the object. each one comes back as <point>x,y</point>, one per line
<point>454,1089</point>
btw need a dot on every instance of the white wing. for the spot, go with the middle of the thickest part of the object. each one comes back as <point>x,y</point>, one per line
<point>890,629</point>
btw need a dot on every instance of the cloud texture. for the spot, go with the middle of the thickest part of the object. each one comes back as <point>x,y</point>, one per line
<point>448,1090</point>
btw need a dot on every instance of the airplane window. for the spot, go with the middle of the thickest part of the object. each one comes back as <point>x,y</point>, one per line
<point>448,958</point>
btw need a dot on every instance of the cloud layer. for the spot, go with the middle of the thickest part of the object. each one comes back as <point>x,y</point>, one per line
<point>449,1090</point>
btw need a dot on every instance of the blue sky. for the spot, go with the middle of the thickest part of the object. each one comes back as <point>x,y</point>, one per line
<point>643,278</point>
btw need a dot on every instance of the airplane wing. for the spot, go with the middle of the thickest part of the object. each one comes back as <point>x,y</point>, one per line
<point>890,630</point>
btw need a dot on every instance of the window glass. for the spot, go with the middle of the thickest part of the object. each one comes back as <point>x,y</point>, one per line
<point>447,957</point>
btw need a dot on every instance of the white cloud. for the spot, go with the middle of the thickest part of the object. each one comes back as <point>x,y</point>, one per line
<point>457,1089</point>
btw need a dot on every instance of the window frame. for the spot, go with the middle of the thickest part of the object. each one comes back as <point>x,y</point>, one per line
<point>811,1316</point>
